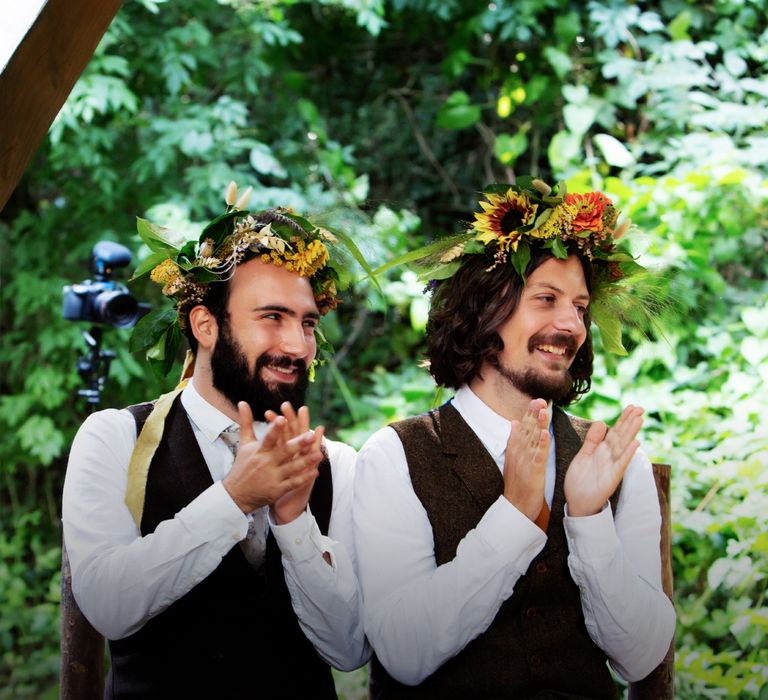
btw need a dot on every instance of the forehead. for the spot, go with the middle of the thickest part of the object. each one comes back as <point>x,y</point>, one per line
<point>566,276</point>
<point>256,283</point>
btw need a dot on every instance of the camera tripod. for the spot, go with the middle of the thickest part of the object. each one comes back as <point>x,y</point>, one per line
<point>93,367</point>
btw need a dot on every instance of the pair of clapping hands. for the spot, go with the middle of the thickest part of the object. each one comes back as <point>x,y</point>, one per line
<point>278,470</point>
<point>592,476</point>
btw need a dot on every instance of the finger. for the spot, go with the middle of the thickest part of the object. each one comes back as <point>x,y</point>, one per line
<point>319,433</point>
<point>275,435</point>
<point>299,464</point>
<point>269,415</point>
<point>290,415</point>
<point>620,436</point>
<point>298,481</point>
<point>595,435</point>
<point>245,420</point>
<point>303,419</point>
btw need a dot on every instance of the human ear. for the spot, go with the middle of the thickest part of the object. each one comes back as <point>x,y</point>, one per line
<point>203,326</point>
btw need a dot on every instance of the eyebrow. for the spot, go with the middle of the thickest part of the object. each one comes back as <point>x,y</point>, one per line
<point>287,311</point>
<point>547,285</point>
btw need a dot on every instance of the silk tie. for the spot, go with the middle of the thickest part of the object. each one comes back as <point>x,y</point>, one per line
<point>255,543</point>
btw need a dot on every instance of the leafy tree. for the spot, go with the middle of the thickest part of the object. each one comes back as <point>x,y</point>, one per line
<point>387,119</point>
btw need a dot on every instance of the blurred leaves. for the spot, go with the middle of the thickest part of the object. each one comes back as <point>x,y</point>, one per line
<point>386,119</point>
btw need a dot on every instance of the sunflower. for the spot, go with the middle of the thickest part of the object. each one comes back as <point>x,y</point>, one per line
<point>502,218</point>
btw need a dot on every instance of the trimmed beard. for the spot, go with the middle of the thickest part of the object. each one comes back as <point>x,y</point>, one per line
<point>238,382</point>
<point>535,385</point>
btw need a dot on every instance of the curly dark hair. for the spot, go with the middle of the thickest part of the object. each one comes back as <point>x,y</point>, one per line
<point>467,310</point>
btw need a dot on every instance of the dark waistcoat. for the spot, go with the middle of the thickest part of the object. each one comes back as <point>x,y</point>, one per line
<point>537,645</point>
<point>235,633</point>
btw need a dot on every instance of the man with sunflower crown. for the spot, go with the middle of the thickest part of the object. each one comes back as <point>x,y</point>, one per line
<point>505,548</point>
<point>214,552</point>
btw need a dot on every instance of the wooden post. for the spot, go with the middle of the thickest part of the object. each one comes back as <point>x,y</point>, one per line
<point>82,647</point>
<point>40,75</point>
<point>660,683</point>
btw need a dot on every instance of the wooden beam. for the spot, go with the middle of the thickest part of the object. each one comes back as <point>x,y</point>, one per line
<point>40,75</point>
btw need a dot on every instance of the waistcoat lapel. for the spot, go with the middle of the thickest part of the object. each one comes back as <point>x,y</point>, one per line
<point>477,470</point>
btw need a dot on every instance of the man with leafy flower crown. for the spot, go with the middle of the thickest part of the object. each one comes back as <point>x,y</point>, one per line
<point>213,550</point>
<point>505,548</point>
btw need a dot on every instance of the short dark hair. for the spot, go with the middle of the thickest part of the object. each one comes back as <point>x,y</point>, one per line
<point>467,310</point>
<point>215,300</point>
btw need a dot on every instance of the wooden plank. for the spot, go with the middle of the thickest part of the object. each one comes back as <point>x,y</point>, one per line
<point>40,75</point>
<point>660,683</point>
<point>82,647</point>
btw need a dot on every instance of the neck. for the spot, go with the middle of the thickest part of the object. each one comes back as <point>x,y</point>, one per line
<point>203,380</point>
<point>498,394</point>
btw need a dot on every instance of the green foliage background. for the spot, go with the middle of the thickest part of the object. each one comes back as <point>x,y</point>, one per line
<point>386,118</point>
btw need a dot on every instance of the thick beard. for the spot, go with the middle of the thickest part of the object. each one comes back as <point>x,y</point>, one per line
<point>238,382</point>
<point>537,386</point>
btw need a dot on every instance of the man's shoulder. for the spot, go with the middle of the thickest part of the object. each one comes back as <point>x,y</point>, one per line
<point>427,422</point>
<point>339,451</point>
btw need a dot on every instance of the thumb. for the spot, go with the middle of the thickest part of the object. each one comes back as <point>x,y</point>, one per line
<point>595,435</point>
<point>245,419</point>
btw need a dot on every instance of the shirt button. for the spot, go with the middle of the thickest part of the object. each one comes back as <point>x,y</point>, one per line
<point>541,567</point>
<point>236,537</point>
<point>298,540</point>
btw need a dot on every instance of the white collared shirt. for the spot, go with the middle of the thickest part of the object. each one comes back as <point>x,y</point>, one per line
<point>418,614</point>
<point>121,579</point>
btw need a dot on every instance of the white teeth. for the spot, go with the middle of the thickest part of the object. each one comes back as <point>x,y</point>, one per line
<point>552,349</point>
<point>286,370</point>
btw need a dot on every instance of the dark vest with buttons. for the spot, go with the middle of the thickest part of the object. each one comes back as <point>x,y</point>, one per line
<point>537,645</point>
<point>233,634</point>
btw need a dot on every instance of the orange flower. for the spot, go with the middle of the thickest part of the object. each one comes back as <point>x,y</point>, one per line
<point>589,212</point>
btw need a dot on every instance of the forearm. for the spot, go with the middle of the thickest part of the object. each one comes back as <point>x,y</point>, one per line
<point>617,566</point>
<point>324,592</point>
<point>433,612</point>
<point>120,580</point>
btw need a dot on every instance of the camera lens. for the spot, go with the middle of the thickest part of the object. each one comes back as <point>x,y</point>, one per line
<point>116,308</point>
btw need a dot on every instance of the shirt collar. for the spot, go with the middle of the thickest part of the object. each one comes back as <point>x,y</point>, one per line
<point>208,419</point>
<point>489,426</point>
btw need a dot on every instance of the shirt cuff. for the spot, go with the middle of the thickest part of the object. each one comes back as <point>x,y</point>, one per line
<point>501,519</point>
<point>214,511</point>
<point>300,539</point>
<point>592,537</point>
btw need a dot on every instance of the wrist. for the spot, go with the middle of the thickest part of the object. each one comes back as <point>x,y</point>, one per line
<point>283,516</point>
<point>241,502</point>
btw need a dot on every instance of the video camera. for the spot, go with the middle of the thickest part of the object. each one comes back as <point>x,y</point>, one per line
<point>103,300</point>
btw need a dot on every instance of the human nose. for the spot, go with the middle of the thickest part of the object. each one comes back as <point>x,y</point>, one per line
<point>293,340</point>
<point>569,319</point>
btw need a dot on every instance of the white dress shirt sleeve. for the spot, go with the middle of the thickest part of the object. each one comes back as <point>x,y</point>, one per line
<point>615,563</point>
<point>120,579</point>
<point>418,614</point>
<point>326,597</point>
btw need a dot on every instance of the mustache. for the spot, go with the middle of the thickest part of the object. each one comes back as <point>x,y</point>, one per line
<point>282,361</point>
<point>564,339</point>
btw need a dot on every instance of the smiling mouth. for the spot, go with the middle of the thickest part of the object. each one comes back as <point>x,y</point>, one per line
<point>282,372</point>
<point>553,349</point>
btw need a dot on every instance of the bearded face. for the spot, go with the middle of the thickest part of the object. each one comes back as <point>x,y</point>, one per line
<point>238,381</point>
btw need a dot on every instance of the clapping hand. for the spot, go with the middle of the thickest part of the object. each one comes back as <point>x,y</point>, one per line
<point>265,470</point>
<point>599,466</point>
<point>292,503</point>
<point>525,461</point>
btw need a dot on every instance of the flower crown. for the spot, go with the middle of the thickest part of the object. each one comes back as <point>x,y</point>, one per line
<point>278,236</point>
<point>530,214</point>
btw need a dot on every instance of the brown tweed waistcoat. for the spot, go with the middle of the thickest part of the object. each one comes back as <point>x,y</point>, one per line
<point>537,645</point>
